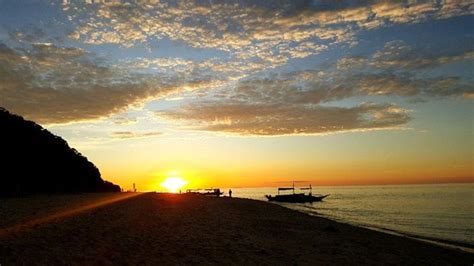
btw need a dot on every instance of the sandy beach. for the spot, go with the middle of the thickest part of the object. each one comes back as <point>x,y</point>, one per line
<point>173,229</point>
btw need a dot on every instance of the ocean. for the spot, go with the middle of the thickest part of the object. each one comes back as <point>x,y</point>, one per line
<point>443,213</point>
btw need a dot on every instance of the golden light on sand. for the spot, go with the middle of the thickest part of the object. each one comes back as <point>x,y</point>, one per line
<point>172,184</point>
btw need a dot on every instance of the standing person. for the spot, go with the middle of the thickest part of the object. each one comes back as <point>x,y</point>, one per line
<point>230,193</point>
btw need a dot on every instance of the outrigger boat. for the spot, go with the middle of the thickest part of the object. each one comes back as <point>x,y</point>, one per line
<point>296,197</point>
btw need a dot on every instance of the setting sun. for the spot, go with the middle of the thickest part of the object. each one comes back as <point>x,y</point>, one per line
<point>172,184</point>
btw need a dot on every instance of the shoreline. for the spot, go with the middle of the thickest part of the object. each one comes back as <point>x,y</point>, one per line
<point>437,241</point>
<point>172,229</point>
<point>440,242</point>
<point>465,247</point>
<point>448,224</point>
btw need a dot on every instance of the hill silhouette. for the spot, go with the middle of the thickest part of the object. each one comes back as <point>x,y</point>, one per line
<point>33,161</point>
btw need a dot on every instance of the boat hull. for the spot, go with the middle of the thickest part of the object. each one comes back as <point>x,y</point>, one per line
<point>295,198</point>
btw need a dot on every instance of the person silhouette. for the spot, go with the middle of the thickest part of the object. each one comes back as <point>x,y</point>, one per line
<point>230,193</point>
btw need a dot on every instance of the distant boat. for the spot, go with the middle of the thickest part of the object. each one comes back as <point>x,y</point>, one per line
<point>296,197</point>
<point>207,192</point>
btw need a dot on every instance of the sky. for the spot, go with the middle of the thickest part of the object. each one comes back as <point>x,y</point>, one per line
<point>248,93</point>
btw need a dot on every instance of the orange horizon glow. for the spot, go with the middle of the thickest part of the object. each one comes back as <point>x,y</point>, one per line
<point>270,162</point>
<point>173,181</point>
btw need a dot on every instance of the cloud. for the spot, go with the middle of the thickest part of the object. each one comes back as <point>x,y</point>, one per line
<point>468,95</point>
<point>51,84</point>
<point>175,64</point>
<point>256,36</point>
<point>246,33</point>
<point>122,120</point>
<point>271,119</point>
<point>397,54</point>
<point>352,62</point>
<point>28,34</point>
<point>379,13</point>
<point>399,69</point>
<point>305,102</point>
<point>289,103</point>
<point>315,87</point>
<point>134,135</point>
<point>408,85</point>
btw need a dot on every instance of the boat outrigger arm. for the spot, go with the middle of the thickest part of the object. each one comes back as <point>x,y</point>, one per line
<point>286,188</point>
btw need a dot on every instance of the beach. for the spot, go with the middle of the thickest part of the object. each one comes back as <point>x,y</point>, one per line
<point>174,229</point>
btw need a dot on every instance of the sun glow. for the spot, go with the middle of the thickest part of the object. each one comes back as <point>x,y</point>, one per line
<point>172,184</point>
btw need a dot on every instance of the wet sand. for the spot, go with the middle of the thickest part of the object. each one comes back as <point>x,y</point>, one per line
<point>166,229</point>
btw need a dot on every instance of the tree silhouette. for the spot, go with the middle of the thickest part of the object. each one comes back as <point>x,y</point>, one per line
<point>33,160</point>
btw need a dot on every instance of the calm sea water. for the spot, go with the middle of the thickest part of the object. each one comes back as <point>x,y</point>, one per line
<point>438,212</point>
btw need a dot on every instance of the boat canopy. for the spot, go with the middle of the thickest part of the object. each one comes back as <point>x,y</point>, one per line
<point>285,188</point>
